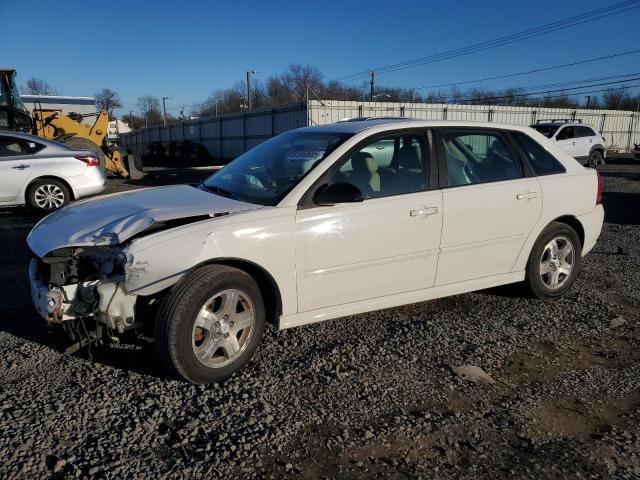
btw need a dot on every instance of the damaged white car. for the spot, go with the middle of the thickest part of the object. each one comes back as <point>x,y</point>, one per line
<point>314,224</point>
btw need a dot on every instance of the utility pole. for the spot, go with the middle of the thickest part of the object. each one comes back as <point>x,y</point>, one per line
<point>131,118</point>
<point>164,109</point>
<point>249,73</point>
<point>372,82</point>
<point>588,100</point>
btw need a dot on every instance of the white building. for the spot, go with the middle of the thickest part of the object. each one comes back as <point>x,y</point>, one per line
<point>67,105</point>
<point>116,128</point>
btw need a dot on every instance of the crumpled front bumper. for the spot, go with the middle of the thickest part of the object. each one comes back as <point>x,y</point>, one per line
<point>51,303</point>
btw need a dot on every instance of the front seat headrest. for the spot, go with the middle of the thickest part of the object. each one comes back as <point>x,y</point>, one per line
<point>364,162</point>
<point>408,157</point>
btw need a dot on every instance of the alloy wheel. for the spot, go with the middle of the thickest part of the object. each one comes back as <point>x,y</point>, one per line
<point>223,328</point>
<point>49,196</point>
<point>557,262</point>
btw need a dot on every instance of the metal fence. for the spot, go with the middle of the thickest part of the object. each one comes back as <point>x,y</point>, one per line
<point>227,136</point>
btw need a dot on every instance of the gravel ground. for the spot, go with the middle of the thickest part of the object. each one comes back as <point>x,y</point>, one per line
<point>371,395</point>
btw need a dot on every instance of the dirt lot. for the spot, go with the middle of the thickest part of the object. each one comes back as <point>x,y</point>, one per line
<point>367,396</point>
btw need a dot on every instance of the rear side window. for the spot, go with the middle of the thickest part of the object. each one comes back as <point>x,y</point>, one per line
<point>479,157</point>
<point>542,162</point>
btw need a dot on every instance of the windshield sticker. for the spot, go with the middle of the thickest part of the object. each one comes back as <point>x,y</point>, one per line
<point>304,155</point>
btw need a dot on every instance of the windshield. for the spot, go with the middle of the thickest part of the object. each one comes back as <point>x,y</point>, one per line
<point>546,129</point>
<point>266,173</point>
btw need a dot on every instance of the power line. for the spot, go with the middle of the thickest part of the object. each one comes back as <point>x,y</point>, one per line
<point>528,72</point>
<point>577,82</point>
<point>580,93</point>
<point>505,40</point>
<point>483,98</point>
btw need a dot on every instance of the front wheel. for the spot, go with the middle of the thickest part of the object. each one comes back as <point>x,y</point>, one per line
<point>554,261</point>
<point>211,324</point>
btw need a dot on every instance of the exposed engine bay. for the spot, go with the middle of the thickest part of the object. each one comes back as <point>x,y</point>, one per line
<point>81,282</point>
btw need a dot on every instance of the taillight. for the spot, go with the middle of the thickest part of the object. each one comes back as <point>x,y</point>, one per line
<point>599,192</point>
<point>89,160</point>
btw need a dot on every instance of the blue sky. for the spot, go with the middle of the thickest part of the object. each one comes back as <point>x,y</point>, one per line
<point>186,49</point>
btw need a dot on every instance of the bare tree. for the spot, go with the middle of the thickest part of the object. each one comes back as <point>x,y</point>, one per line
<point>107,99</point>
<point>616,99</point>
<point>149,107</point>
<point>37,86</point>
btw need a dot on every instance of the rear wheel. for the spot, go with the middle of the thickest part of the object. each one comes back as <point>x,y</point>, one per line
<point>595,158</point>
<point>554,261</point>
<point>48,194</point>
<point>211,324</point>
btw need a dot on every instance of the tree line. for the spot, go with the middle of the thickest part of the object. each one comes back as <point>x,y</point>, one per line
<point>301,82</point>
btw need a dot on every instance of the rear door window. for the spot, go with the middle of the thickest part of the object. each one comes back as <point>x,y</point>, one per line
<point>584,132</point>
<point>11,147</point>
<point>566,133</point>
<point>479,157</point>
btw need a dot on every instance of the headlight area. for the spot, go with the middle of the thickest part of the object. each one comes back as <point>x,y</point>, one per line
<point>71,285</point>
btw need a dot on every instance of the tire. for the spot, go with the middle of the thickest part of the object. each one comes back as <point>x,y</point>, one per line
<point>48,194</point>
<point>80,143</point>
<point>183,332</point>
<point>541,284</point>
<point>595,158</point>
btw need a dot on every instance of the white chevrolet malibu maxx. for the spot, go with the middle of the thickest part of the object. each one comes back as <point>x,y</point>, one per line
<point>317,223</point>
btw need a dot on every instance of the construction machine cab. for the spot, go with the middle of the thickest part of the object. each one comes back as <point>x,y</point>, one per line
<point>13,114</point>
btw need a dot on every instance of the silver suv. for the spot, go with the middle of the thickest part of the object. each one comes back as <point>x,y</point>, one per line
<point>580,141</point>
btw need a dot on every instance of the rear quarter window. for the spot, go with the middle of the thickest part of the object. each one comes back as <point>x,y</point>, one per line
<point>541,161</point>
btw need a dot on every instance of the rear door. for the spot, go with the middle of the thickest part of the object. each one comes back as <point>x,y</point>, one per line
<point>15,168</point>
<point>491,202</point>
<point>566,139</point>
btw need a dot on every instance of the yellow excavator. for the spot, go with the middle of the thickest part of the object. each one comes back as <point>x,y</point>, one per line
<point>55,125</point>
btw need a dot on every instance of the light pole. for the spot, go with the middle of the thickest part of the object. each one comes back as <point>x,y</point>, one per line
<point>249,73</point>
<point>164,109</point>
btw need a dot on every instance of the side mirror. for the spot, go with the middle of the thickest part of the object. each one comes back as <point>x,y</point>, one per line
<point>337,193</point>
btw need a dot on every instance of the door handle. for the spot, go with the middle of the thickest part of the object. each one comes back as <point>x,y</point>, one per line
<point>21,166</point>
<point>526,195</point>
<point>574,144</point>
<point>421,212</point>
<point>380,147</point>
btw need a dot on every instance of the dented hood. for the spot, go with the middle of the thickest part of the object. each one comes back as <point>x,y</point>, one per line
<point>113,219</point>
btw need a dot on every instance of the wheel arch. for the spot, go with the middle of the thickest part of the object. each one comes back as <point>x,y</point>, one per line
<point>599,147</point>
<point>50,177</point>
<point>268,286</point>
<point>572,222</point>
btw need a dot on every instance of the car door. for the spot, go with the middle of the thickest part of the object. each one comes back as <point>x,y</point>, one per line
<point>15,168</point>
<point>566,139</point>
<point>383,245</point>
<point>491,202</point>
<point>587,140</point>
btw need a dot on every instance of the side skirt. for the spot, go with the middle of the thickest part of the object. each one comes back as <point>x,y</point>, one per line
<point>397,299</point>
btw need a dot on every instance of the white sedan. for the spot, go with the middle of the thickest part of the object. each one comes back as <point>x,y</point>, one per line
<point>45,175</point>
<point>310,226</point>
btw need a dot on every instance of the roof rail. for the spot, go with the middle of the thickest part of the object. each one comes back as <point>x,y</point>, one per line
<point>366,119</point>
<point>560,120</point>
